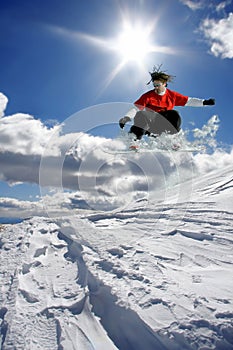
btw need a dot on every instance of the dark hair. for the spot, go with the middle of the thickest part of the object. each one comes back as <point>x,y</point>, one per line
<point>157,74</point>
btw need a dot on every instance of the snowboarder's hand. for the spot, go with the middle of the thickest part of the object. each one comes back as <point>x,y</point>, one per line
<point>123,121</point>
<point>209,102</point>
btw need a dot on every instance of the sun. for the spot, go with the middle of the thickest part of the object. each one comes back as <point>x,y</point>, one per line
<point>133,43</point>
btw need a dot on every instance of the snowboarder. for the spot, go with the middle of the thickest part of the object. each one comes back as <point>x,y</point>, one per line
<point>153,112</point>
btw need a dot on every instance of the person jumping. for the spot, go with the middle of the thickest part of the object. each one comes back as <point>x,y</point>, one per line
<point>154,112</point>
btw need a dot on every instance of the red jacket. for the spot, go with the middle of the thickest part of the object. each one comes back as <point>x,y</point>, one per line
<point>159,103</point>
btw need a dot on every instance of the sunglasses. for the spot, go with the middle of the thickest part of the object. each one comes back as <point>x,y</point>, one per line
<point>158,84</point>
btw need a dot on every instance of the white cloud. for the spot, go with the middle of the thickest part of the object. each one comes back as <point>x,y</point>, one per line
<point>23,134</point>
<point>193,5</point>
<point>222,5</point>
<point>219,32</point>
<point>119,190</point>
<point>30,152</point>
<point>220,35</point>
<point>81,174</point>
<point>3,104</point>
<point>12,207</point>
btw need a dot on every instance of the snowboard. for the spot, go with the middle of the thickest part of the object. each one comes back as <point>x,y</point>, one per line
<point>152,150</point>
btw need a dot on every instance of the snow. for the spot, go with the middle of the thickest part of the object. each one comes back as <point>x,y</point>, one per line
<point>150,276</point>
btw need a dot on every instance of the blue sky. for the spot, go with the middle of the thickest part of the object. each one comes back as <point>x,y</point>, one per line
<point>58,58</point>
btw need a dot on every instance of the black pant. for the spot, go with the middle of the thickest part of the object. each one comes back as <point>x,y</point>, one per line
<point>147,122</point>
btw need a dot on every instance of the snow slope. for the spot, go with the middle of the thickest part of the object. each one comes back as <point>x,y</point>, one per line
<point>152,276</point>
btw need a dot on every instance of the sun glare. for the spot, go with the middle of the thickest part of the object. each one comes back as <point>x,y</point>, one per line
<point>133,44</point>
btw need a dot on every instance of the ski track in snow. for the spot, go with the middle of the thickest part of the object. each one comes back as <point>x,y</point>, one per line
<point>150,277</point>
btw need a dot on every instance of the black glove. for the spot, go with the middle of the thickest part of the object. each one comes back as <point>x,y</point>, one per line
<point>209,102</point>
<point>123,121</point>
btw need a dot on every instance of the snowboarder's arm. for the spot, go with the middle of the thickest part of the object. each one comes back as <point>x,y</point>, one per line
<point>198,102</point>
<point>128,116</point>
<point>132,112</point>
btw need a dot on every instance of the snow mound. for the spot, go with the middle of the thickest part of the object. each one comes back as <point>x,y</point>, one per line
<point>148,277</point>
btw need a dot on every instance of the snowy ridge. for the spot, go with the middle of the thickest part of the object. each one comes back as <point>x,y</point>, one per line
<point>151,276</point>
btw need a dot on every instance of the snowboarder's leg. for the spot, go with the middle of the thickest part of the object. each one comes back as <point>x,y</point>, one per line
<point>147,122</point>
<point>167,121</point>
<point>141,124</point>
<point>172,121</point>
